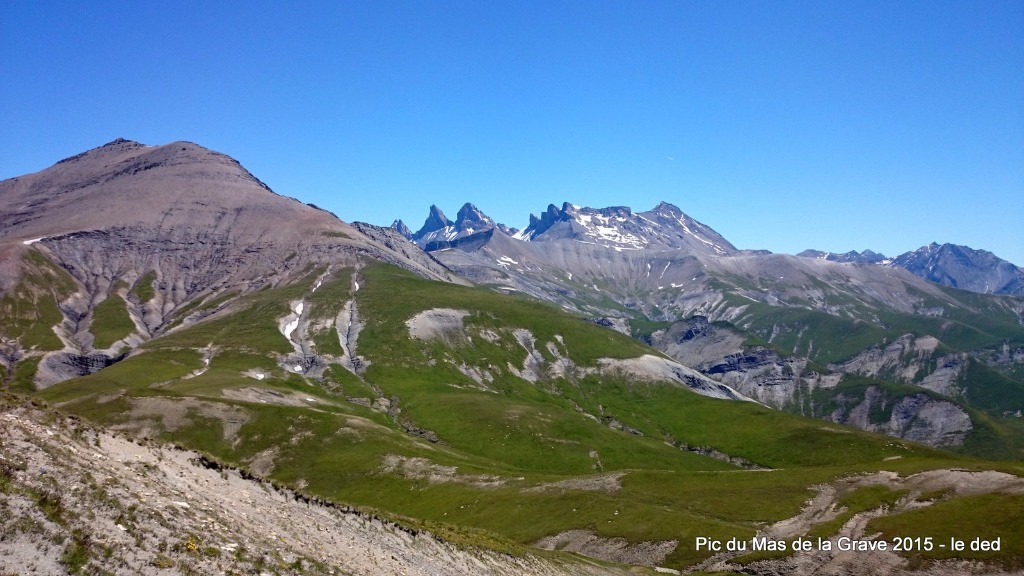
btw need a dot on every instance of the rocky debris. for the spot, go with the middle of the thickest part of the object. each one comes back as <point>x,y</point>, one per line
<point>902,360</point>
<point>437,323</point>
<point>415,468</point>
<point>482,376</point>
<point>151,415</point>
<point>391,408</point>
<point>411,428</point>
<point>620,325</point>
<point>11,353</point>
<point>59,366</point>
<point>946,378</point>
<point>271,396</point>
<point>614,424</point>
<point>917,417</point>
<point>349,324</point>
<point>610,482</point>
<point>533,365</point>
<point>588,543</point>
<point>657,369</point>
<point>823,507</point>
<point>698,343</point>
<point>719,455</point>
<point>79,498</point>
<point>563,366</point>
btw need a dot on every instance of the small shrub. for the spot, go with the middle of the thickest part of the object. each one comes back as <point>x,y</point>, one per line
<point>211,552</point>
<point>76,555</point>
<point>50,503</point>
<point>162,561</point>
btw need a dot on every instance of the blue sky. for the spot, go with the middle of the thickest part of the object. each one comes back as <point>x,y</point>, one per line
<point>783,125</point>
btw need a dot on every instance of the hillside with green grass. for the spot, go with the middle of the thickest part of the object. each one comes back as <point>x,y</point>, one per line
<point>498,423</point>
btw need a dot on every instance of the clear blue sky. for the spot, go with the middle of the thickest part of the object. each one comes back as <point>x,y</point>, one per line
<point>783,125</point>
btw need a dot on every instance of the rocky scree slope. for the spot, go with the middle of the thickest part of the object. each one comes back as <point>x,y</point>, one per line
<point>76,499</point>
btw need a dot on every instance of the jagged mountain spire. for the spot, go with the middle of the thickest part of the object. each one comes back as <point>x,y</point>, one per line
<point>435,221</point>
<point>438,231</point>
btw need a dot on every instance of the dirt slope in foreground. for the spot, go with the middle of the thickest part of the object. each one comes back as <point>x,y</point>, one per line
<point>74,500</point>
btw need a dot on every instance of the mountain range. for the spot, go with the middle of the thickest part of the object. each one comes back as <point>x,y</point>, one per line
<point>666,227</point>
<point>785,330</point>
<point>605,385</point>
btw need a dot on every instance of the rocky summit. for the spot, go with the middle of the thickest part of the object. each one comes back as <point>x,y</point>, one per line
<point>191,222</point>
<point>665,227</point>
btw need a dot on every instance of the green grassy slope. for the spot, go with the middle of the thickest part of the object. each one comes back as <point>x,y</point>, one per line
<point>501,443</point>
<point>29,311</point>
<point>110,321</point>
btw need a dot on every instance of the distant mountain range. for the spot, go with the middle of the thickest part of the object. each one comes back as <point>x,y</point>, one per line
<point>666,227</point>
<point>783,329</point>
<point>947,264</point>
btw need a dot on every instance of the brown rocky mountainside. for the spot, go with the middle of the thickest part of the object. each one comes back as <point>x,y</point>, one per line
<point>175,190</point>
<point>186,223</point>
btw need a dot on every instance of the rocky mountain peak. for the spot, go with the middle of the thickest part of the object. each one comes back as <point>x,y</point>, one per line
<point>470,219</point>
<point>179,187</point>
<point>436,220</point>
<point>439,231</point>
<point>963,267</point>
<point>665,227</point>
<point>402,229</point>
<point>539,225</point>
<point>865,257</point>
<point>116,146</point>
<point>122,142</point>
<point>666,209</point>
<point>948,264</point>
